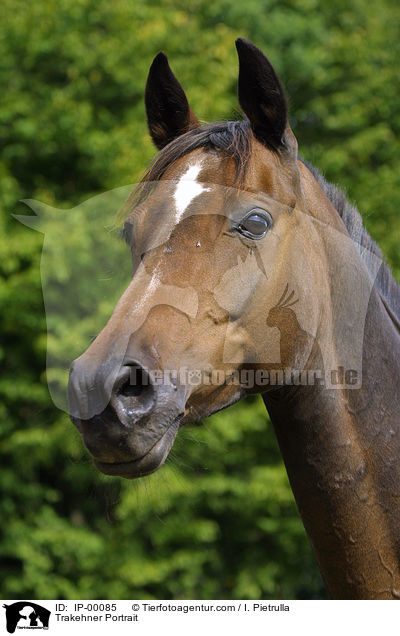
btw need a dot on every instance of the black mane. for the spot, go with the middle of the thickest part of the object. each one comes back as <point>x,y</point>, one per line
<point>386,285</point>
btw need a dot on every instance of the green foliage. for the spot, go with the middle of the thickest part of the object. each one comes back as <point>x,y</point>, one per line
<point>219,520</point>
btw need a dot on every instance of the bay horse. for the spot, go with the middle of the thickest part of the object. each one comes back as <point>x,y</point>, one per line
<point>246,260</point>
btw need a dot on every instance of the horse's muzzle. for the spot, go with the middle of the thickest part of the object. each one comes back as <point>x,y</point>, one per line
<point>129,425</point>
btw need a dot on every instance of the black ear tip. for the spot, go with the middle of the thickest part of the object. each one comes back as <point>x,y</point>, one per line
<point>160,60</point>
<point>244,45</point>
<point>240,44</point>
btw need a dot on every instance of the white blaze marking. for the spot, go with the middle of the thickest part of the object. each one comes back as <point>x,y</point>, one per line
<point>187,189</point>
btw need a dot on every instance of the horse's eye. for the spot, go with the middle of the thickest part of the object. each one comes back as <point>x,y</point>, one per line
<point>256,224</point>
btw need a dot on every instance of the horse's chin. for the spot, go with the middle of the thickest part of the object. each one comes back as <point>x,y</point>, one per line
<point>148,463</point>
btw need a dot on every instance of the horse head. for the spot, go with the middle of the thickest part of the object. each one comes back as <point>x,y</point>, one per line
<point>213,230</point>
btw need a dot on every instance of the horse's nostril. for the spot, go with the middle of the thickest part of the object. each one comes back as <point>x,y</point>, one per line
<point>136,383</point>
<point>133,395</point>
<point>130,390</point>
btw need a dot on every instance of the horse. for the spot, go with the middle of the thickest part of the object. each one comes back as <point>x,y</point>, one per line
<point>245,260</point>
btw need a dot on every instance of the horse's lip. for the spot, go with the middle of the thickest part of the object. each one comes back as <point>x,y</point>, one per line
<point>149,462</point>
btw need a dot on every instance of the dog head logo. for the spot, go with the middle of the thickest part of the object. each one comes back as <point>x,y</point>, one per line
<point>26,615</point>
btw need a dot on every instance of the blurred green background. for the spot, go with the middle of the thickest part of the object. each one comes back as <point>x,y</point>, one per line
<point>218,520</point>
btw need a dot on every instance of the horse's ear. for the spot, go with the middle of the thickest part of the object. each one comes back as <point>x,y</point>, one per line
<point>168,112</point>
<point>261,95</point>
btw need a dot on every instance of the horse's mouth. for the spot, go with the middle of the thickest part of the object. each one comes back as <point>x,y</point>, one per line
<point>148,463</point>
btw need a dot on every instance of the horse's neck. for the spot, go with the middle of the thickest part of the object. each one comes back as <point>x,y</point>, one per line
<point>342,454</point>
